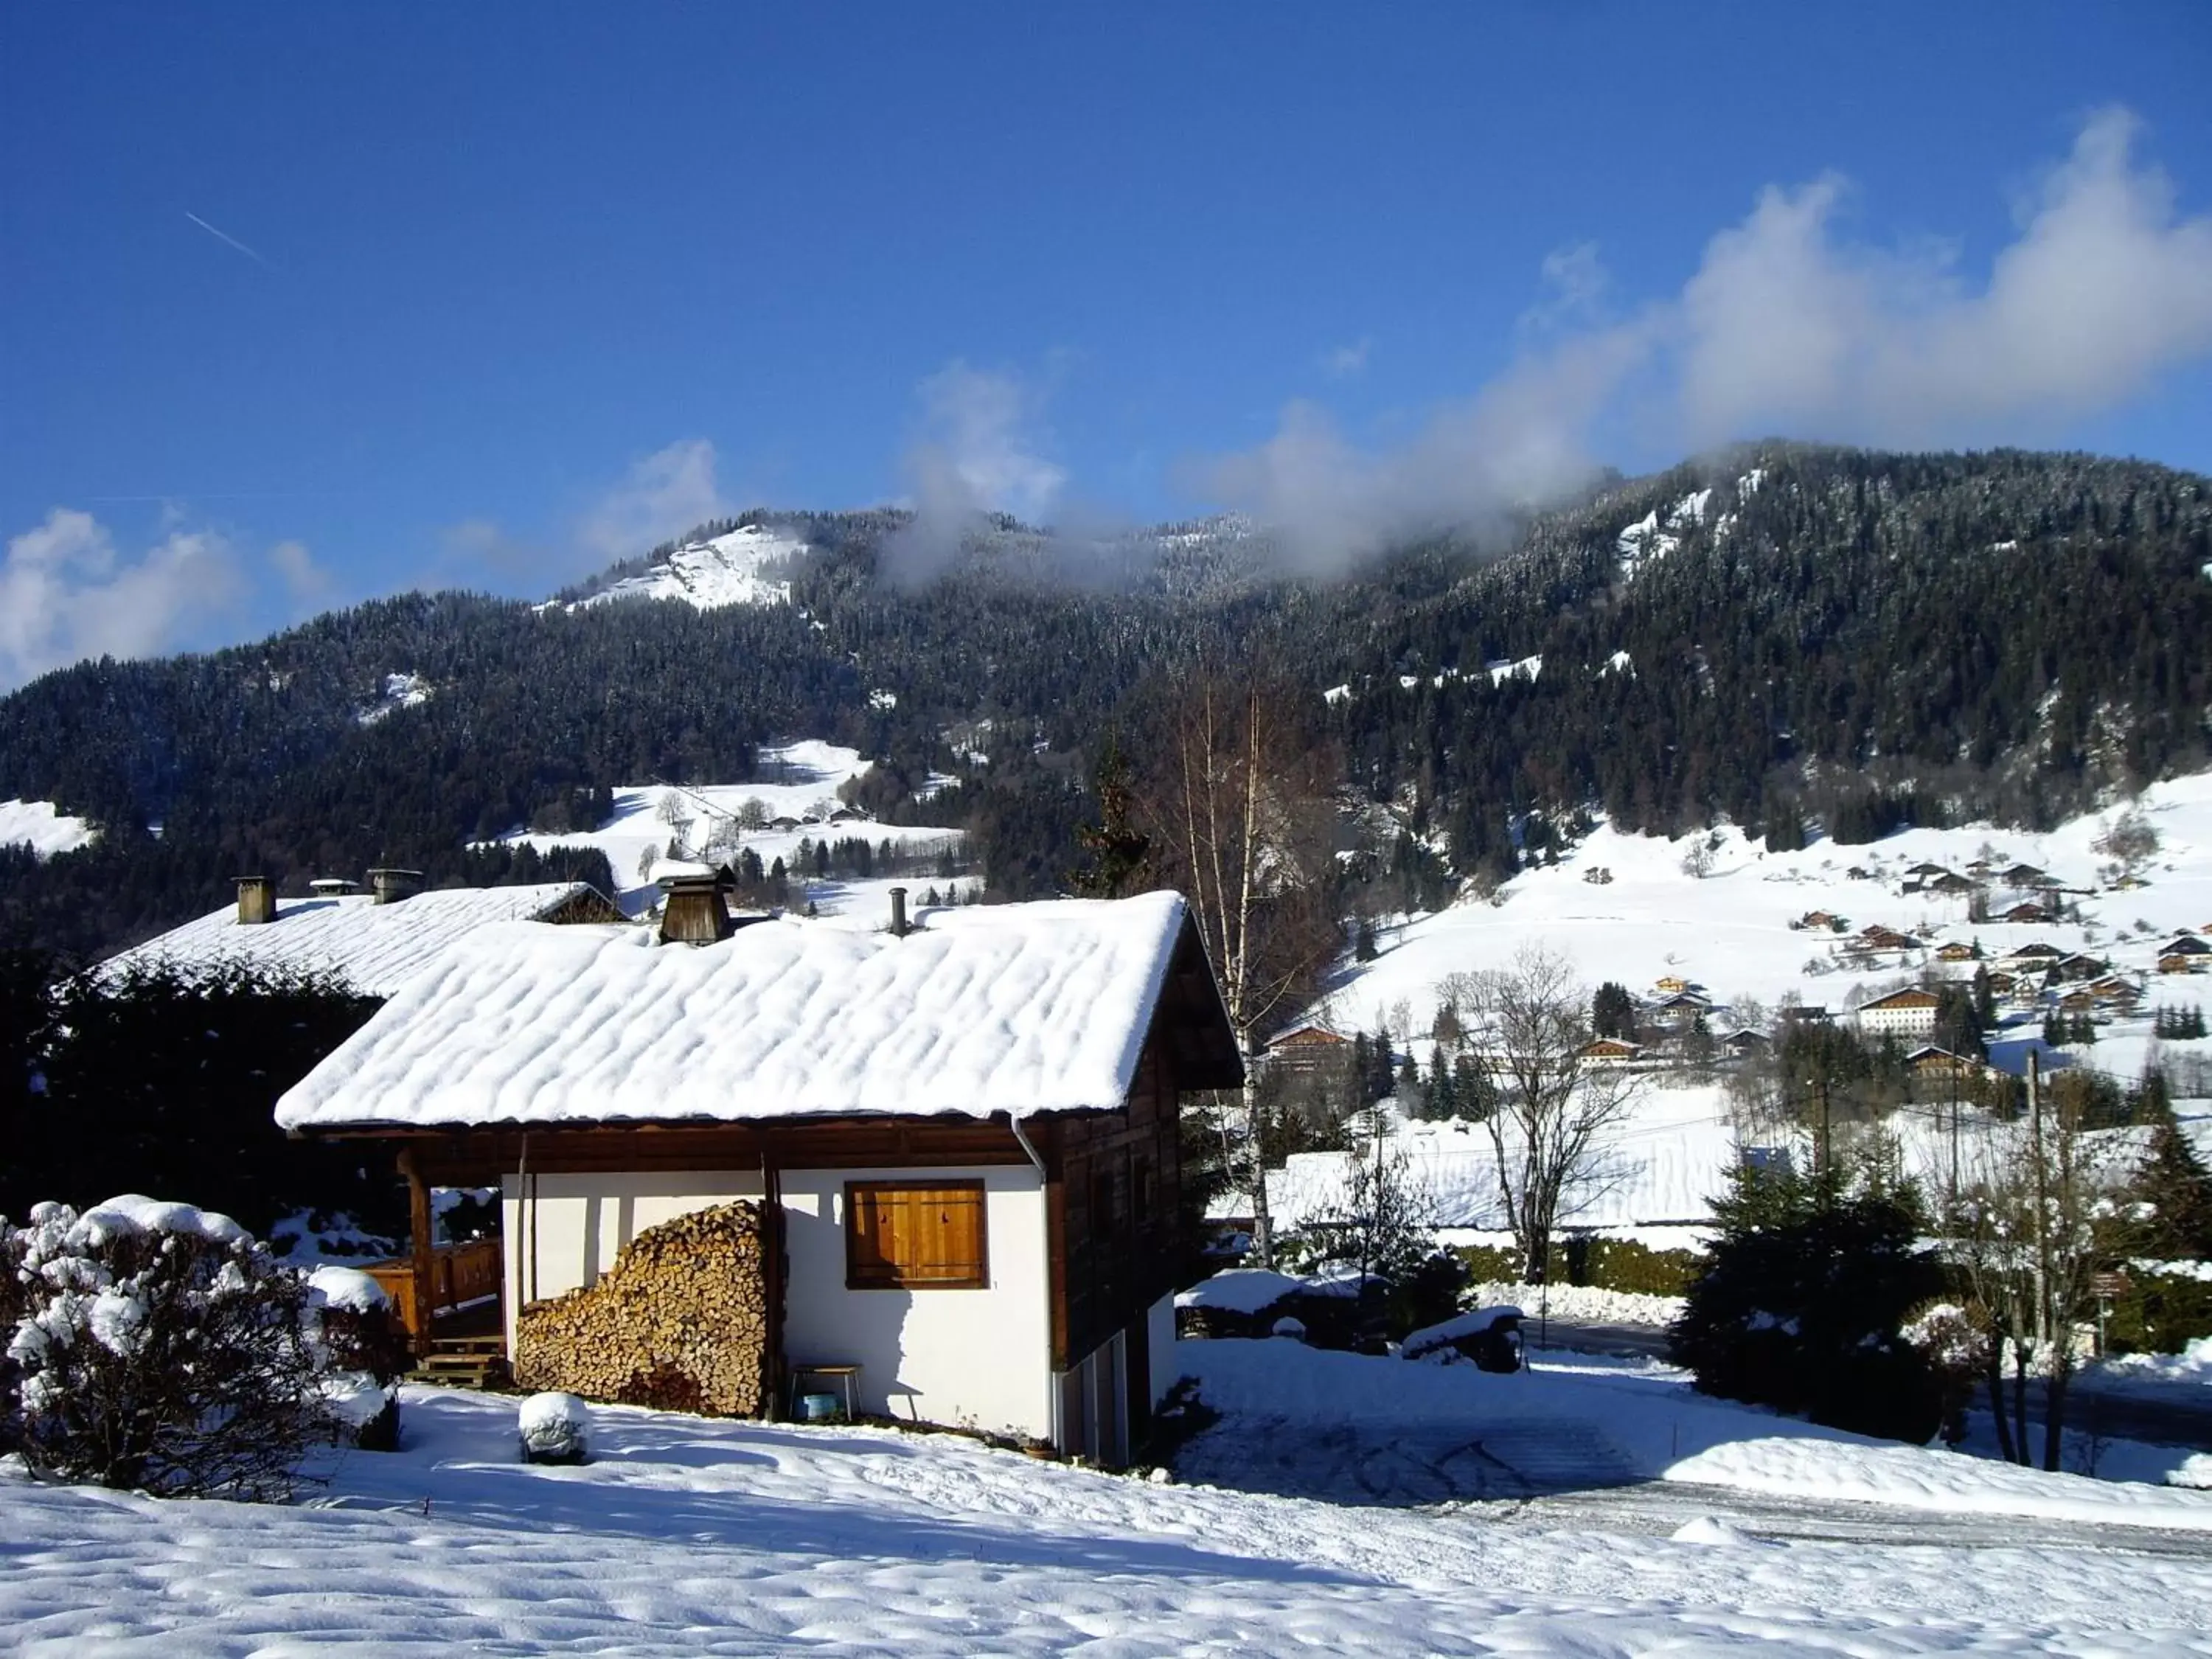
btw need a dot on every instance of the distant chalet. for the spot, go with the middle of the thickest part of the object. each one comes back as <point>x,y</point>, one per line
<point>1911,1011</point>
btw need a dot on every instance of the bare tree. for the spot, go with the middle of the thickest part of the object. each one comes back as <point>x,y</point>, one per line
<point>2029,1231</point>
<point>1556,1115</point>
<point>1239,810</point>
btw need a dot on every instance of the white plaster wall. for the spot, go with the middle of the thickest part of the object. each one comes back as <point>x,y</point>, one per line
<point>583,1222</point>
<point>980,1356</point>
<point>1906,1022</point>
<point>1160,1346</point>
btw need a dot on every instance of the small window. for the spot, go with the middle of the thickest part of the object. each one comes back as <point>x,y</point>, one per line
<point>914,1236</point>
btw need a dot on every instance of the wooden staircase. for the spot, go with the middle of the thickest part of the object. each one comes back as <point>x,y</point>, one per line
<point>464,1362</point>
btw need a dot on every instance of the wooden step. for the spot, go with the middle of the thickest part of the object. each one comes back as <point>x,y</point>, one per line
<point>461,1370</point>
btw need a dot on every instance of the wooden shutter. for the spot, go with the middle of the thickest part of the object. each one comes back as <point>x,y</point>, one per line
<point>915,1235</point>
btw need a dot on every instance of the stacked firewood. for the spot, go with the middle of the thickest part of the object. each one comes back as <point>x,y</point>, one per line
<point>679,1322</point>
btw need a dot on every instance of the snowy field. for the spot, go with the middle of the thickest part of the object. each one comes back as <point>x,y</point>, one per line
<point>39,823</point>
<point>691,1535</point>
<point>798,782</point>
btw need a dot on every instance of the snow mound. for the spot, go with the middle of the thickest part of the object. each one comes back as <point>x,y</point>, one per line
<point>2188,1373</point>
<point>347,1288</point>
<point>554,1425</point>
<point>1706,1529</point>
<point>1470,1323</point>
<point>1240,1289</point>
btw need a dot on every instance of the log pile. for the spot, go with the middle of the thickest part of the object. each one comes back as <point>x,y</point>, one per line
<point>679,1322</point>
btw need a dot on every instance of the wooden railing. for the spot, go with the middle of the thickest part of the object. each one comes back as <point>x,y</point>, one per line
<point>459,1274</point>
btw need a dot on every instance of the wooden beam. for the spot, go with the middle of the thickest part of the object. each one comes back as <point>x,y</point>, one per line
<point>776,1263</point>
<point>422,1252</point>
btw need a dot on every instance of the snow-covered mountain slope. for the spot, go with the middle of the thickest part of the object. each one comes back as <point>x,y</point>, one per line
<point>795,800</point>
<point>42,827</point>
<point>1623,907</point>
<point>738,569</point>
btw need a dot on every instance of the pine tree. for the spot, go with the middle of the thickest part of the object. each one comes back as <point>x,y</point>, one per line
<point>2173,1183</point>
<point>1116,851</point>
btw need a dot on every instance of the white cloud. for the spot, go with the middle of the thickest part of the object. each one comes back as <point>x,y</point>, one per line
<point>2102,290</point>
<point>307,583</point>
<point>976,450</point>
<point>1787,326</point>
<point>665,493</point>
<point>66,595</point>
<point>1575,285</point>
<point>1343,362</point>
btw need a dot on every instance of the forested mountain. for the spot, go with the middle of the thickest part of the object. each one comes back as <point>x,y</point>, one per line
<point>1793,637</point>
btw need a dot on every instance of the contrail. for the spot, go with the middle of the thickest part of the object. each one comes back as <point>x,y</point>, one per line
<point>226,237</point>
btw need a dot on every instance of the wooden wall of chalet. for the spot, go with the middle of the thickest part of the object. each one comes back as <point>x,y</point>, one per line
<point>1112,1215</point>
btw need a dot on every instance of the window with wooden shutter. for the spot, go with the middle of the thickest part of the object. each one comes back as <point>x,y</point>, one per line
<point>914,1236</point>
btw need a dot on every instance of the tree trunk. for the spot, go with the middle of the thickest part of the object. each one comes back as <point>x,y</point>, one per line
<point>2054,1409</point>
<point>1994,1371</point>
<point>1263,1225</point>
<point>2019,1403</point>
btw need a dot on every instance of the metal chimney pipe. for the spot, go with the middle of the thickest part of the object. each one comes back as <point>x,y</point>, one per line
<point>898,913</point>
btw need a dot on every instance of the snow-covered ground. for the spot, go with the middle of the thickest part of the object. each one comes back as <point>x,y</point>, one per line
<point>2186,1376</point>
<point>738,569</point>
<point>1645,1424</point>
<point>46,828</point>
<point>799,782</point>
<point>686,1534</point>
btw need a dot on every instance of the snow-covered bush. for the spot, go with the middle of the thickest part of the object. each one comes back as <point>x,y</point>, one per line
<point>362,1352</point>
<point>555,1429</point>
<point>158,1347</point>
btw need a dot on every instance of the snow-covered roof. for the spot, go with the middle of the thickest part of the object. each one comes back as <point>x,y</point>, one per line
<point>375,948</point>
<point>1011,1008</point>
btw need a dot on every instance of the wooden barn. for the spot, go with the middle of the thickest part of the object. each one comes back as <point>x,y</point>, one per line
<point>939,1162</point>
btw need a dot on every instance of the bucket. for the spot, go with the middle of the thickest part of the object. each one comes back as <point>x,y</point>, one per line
<point>820,1407</point>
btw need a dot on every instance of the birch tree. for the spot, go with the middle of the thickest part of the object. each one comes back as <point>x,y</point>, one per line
<point>1238,811</point>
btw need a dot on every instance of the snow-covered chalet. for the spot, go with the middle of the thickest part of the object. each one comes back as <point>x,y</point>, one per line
<point>373,941</point>
<point>960,1135</point>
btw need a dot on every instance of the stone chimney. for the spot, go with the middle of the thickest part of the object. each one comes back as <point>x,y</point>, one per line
<point>898,913</point>
<point>390,886</point>
<point>257,901</point>
<point>693,912</point>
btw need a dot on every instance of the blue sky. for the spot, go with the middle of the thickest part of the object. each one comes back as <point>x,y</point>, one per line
<point>303,304</point>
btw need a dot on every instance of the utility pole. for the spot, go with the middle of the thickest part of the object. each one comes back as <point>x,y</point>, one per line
<point>2042,1199</point>
<point>1954,1069</point>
